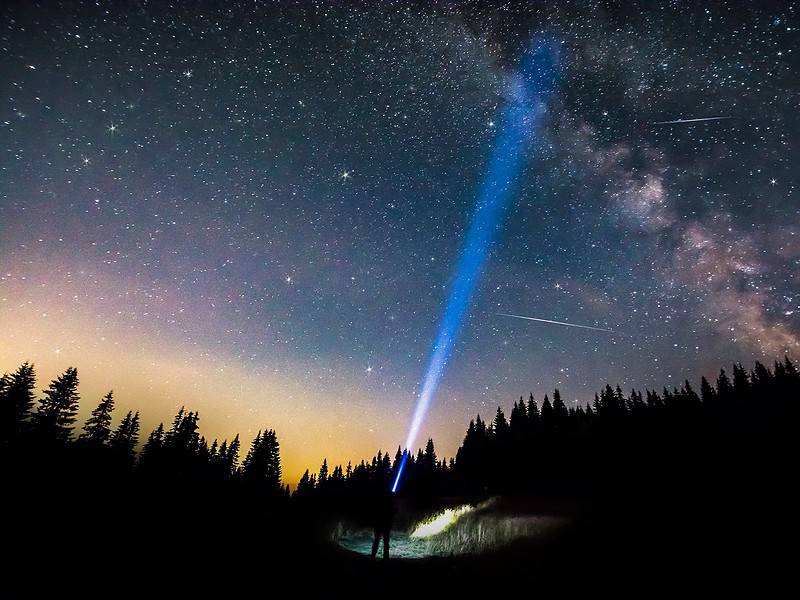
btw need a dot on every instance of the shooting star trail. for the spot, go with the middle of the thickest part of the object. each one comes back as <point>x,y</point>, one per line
<point>555,322</point>
<point>676,121</point>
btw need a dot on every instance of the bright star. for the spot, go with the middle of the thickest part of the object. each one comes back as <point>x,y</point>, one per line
<point>773,182</point>
<point>112,128</point>
<point>346,175</point>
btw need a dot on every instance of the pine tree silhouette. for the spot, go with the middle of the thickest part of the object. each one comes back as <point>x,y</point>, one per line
<point>16,401</point>
<point>125,437</point>
<point>707,393</point>
<point>97,428</point>
<point>231,459</point>
<point>519,415</point>
<point>500,425</point>
<point>55,416</point>
<point>152,447</point>
<point>547,413</point>
<point>724,388</point>
<point>261,466</point>
<point>322,478</point>
<point>429,458</point>
<point>304,487</point>
<point>559,411</point>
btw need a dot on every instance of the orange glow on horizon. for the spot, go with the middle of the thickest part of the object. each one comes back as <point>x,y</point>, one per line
<point>318,408</point>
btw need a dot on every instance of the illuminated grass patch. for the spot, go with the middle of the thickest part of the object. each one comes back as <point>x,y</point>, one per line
<point>440,522</point>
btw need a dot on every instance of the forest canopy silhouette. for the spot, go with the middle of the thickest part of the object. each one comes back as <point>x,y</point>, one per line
<point>714,451</point>
<point>542,446</point>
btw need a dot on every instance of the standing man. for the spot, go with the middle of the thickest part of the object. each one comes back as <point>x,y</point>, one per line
<point>384,510</point>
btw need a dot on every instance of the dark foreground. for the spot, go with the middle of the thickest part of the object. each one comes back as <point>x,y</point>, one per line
<point>176,545</point>
<point>680,491</point>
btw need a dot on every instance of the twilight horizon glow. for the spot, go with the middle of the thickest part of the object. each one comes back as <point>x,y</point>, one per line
<point>530,89</point>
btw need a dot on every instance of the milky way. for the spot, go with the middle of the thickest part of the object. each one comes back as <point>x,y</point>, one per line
<point>255,209</point>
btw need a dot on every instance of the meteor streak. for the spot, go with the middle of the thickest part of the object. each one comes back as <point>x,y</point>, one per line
<point>691,120</point>
<point>555,322</point>
<point>536,80</point>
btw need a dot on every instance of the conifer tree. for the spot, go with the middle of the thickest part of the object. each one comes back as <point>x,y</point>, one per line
<point>707,393</point>
<point>533,414</point>
<point>152,447</point>
<point>761,378</point>
<point>125,437</point>
<point>303,488</point>
<point>741,383</point>
<point>480,428</point>
<point>547,412</point>
<point>16,401</point>
<point>322,478</point>
<point>255,446</point>
<point>273,466</point>
<point>500,425</point>
<point>429,458</point>
<point>262,464</point>
<point>203,454</point>
<point>232,457</point>
<point>55,416</point>
<point>97,428</point>
<point>559,410</point>
<point>724,387</point>
<point>518,417</point>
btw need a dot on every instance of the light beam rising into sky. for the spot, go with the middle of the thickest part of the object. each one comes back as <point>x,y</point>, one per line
<point>529,90</point>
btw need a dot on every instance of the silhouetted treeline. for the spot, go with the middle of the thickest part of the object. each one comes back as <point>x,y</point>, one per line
<point>720,435</point>
<point>704,475</point>
<point>39,433</point>
<point>83,490</point>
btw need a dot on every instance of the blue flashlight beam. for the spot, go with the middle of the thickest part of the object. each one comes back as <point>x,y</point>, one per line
<point>528,92</point>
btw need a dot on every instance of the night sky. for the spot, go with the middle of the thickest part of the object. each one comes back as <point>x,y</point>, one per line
<point>256,209</point>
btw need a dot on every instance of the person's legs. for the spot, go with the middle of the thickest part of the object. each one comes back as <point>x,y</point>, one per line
<point>386,544</point>
<point>376,540</point>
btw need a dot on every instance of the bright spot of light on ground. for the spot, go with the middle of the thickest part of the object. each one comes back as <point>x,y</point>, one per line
<point>440,521</point>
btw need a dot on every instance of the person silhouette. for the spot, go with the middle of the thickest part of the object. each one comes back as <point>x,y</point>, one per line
<point>383,516</point>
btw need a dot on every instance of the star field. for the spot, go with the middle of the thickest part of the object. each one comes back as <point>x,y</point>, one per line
<point>255,209</point>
